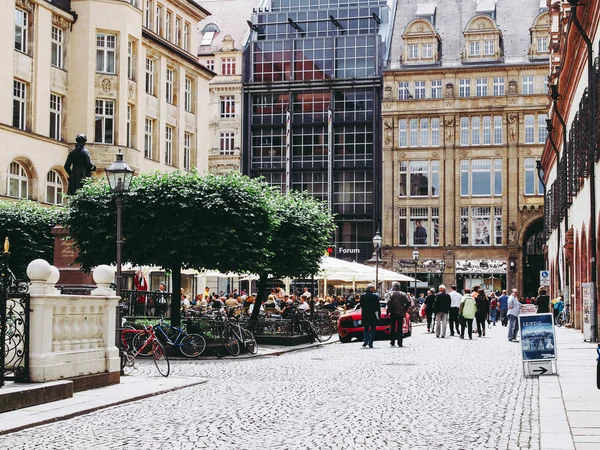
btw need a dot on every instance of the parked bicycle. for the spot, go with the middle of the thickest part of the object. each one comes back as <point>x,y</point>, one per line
<point>563,318</point>
<point>191,345</point>
<point>144,339</point>
<point>234,336</point>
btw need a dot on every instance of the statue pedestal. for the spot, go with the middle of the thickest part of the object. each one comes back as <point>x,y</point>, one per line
<point>64,256</point>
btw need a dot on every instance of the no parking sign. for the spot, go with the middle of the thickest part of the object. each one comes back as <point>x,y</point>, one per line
<point>544,278</point>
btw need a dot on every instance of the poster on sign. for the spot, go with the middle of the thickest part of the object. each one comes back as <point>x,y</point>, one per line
<point>537,337</point>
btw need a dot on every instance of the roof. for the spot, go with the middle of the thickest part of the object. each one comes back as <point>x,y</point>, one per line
<point>200,8</point>
<point>452,17</point>
<point>230,16</point>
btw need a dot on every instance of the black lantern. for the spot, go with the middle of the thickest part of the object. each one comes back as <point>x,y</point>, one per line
<point>377,240</point>
<point>415,255</point>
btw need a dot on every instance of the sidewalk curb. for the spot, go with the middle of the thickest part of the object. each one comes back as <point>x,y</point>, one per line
<point>92,409</point>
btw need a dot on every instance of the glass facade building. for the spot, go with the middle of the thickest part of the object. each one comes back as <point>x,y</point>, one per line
<point>312,93</point>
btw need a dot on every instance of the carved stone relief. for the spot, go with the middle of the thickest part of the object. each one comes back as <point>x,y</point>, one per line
<point>449,130</point>
<point>388,126</point>
<point>512,127</point>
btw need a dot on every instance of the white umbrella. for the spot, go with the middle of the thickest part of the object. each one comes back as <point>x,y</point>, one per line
<point>338,269</point>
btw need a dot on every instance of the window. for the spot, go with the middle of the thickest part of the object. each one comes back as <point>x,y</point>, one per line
<point>169,86</point>
<point>169,145</point>
<point>57,49</point>
<point>476,226</point>
<point>55,116</point>
<point>158,19</point>
<point>178,31</point>
<point>186,36</point>
<point>498,225</point>
<point>475,130</point>
<point>168,22</point>
<point>417,223</point>
<point>426,51</point>
<point>413,51</point>
<point>474,48</point>
<point>226,145</point>
<point>436,88</point>
<point>21,30</point>
<point>131,60</point>
<point>497,130</point>
<point>488,48</point>
<point>424,135</point>
<point>498,86</point>
<point>19,105</point>
<point>227,106</point>
<point>210,64</point>
<point>228,66</point>
<point>481,177</point>
<point>419,179</point>
<point>403,92</point>
<point>479,130</point>
<point>481,225</point>
<point>105,52</point>
<point>464,131</point>
<point>149,76</point>
<point>529,129</point>
<point>18,182</point>
<point>542,45</point>
<point>148,138</point>
<point>527,85</point>
<point>464,88</point>
<point>435,132</point>
<point>129,130</point>
<point>402,140</point>
<point>188,95</point>
<point>542,131</point>
<point>187,151</point>
<point>419,132</point>
<point>105,111</point>
<point>487,130</point>
<point>54,188</point>
<point>419,89</point>
<point>464,226</point>
<point>482,87</point>
<point>148,14</point>
<point>414,132</point>
<point>533,185</point>
<point>207,38</point>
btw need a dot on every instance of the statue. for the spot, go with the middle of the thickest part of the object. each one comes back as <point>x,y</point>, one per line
<point>79,165</point>
<point>512,233</point>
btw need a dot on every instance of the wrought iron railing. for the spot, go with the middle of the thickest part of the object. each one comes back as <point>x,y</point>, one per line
<point>145,303</point>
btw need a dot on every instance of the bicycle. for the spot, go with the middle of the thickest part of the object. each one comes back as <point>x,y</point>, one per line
<point>191,345</point>
<point>563,318</point>
<point>129,351</point>
<point>234,333</point>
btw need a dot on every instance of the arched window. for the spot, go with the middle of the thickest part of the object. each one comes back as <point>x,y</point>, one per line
<point>18,182</point>
<point>54,188</point>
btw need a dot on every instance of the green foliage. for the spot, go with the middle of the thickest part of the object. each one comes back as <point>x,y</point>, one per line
<point>28,227</point>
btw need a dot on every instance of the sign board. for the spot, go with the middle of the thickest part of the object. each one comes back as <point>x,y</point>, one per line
<point>587,294</point>
<point>528,309</point>
<point>537,337</point>
<point>544,278</point>
<point>537,368</point>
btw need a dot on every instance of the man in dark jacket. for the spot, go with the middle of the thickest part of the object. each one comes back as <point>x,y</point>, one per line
<point>441,308</point>
<point>397,304</point>
<point>429,301</point>
<point>369,305</point>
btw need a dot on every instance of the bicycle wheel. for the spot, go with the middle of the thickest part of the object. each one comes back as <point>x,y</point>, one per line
<point>138,342</point>
<point>192,345</point>
<point>160,358</point>
<point>324,330</point>
<point>560,320</point>
<point>230,341</point>
<point>250,341</point>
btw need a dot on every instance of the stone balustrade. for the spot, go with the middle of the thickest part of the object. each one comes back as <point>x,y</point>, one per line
<point>70,335</point>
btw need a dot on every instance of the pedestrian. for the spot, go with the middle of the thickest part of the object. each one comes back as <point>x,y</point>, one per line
<point>467,312</point>
<point>543,301</point>
<point>514,310</point>
<point>493,308</point>
<point>483,309</point>
<point>161,300</point>
<point>441,308</point>
<point>397,305</point>
<point>503,302</point>
<point>558,306</point>
<point>455,298</point>
<point>369,305</point>
<point>140,283</point>
<point>429,301</point>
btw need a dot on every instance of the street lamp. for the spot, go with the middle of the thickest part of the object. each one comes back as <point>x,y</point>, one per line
<point>415,255</point>
<point>442,266</point>
<point>119,176</point>
<point>377,239</point>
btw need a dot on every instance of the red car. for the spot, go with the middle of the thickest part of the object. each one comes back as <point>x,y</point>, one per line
<point>350,325</point>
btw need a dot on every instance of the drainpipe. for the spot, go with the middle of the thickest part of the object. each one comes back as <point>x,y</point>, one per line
<point>550,128</point>
<point>592,142</point>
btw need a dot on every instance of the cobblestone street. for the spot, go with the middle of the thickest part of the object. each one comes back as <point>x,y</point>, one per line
<point>434,393</point>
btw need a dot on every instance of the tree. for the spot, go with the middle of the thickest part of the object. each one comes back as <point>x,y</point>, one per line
<point>299,233</point>
<point>28,227</point>
<point>175,220</point>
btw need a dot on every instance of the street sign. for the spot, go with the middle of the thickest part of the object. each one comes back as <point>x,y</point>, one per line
<point>537,368</point>
<point>537,337</point>
<point>544,278</point>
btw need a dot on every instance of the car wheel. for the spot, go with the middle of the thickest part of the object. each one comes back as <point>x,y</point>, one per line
<point>345,340</point>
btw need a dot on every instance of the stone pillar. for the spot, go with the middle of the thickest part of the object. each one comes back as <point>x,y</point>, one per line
<point>65,253</point>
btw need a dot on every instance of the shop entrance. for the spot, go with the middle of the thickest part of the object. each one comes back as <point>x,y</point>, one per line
<point>533,258</point>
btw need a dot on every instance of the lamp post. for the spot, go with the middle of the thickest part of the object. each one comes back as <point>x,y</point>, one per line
<point>377,239</point>
<point>119,176</point>
<point>442,266</point>
<point>415,255</point>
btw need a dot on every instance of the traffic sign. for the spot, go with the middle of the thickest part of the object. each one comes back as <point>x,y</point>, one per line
<point>544,278</point>
<point>537,368</point>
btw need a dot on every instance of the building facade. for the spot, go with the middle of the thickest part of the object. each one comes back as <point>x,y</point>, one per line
<point>312,118</point>
<point>124,73</point>
<point>570,161</point>
<point>464,121</point>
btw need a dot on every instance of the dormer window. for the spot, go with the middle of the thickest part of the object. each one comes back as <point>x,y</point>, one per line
<point>539,37</point>
<point>209,33</point>
<point>421,42</point>
<point>482,39</point>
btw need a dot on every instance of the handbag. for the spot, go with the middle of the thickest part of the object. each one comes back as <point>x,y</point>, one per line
<point>422,312</point>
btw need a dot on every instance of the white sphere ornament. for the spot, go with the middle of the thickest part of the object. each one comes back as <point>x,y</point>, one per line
<point>104,274</point>
<point>39,270</point>
<point>54,276</point>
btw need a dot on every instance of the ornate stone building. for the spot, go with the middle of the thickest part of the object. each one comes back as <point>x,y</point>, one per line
<point>464,115</point>
<point>124,73</point>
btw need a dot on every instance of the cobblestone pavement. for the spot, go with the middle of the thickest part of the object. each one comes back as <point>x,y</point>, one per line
<point>431,394</point>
